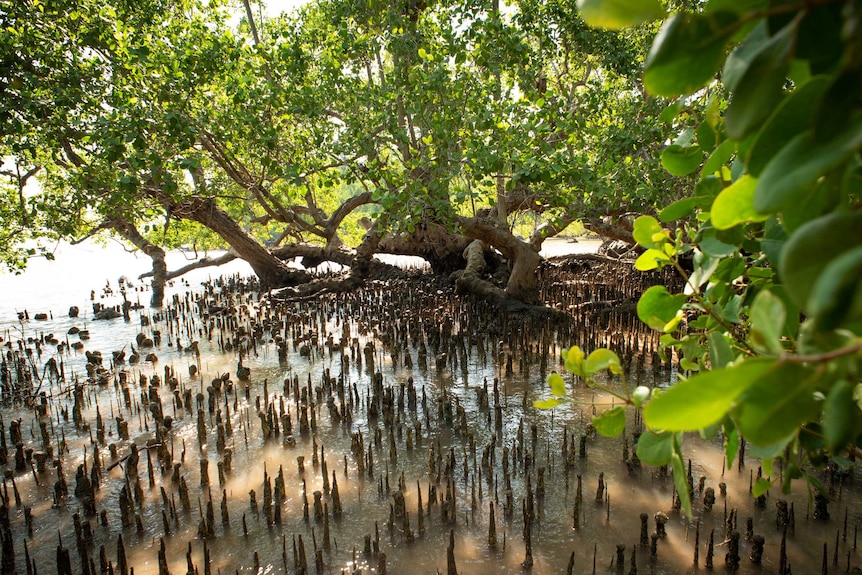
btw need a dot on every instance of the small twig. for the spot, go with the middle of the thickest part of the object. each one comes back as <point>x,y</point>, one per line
<point>822,357</point>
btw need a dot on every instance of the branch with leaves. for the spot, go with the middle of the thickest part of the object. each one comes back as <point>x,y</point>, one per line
<point>769,326</point>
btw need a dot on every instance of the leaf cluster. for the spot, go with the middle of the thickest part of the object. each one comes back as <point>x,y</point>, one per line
<point>769,326</point>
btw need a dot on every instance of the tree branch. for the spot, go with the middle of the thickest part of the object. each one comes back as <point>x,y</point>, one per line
<point>201,263</point>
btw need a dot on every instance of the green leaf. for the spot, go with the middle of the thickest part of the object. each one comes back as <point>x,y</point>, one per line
<point>767,323</point>
<point>792,117</point>
<point>720,352</point>
<point>648,233</point>
<point>703,399</point>
<point>773,241</point>
<point>616,14</point>
<point>574,360</point>
<point>735,205</point>
<point>708,188</point>
<point>680,477</point>
<point>838,103</point>
<point>813,247</point>
<point>547,403</point>
<point>718,157</point>
<point>731,447</point>
<point>857,395</point>
<point>741,56</point>
<point>729,269</point>
<point>792,320</point>
<point>557,385</point>
<point>760,487</point>
<point>839,415</point>
<point>740,6</point>
<point>836,298</point>
<point>640,394</point>
<point>678,209</point>
<point>704,266</point>
<point>801,163</point>
<point>730,311</point>
<point>657,307</point>
<point>819,39</point>
<point>600,359</point>
<point>679,161</point>
<point>612,422</point>
<point>760,87</point>
<point>650,260</point>
<point>777,404</point>
<point>706,136</point>
<point>655,448</point>
<point>712,246</point>
<point>669,113</point>
<point>769,452</point>
<point>688,51</point>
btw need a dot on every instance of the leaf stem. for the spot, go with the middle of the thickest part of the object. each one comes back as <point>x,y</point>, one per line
<point>823,357</point>
<point>710,309</point>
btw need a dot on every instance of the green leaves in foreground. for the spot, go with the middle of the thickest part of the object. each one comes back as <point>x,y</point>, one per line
<point>768,400</point>
<point>770,242</point>
<point>816,275</point>
<point>704,399</point>
<point>659,309</point>
<point>735,205</point>
<point>558,390</point>
<point>587,366</point>
<point>616,14</point>
<point>680,478</point>
<point>776,403</point>
<point>655,448</point>
<point>660,449</point>
<point>688,51</point>
<point>611,422</point>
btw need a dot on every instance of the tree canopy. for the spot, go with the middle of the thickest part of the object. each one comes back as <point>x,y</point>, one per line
<point>338,131</point>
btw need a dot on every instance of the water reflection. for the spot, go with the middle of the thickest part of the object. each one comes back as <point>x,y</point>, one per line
<point>452,439</point>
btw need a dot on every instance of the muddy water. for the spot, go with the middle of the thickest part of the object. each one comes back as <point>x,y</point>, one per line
<point>437,443</point>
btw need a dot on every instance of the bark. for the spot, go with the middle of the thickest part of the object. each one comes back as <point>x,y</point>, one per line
<point>330,227</point>
<point>523,258</point>
<point>471,280</point>
<point>201,263</point>
<point>443,250</point>
<point>271,271</point>
<point>361,263</point>
<point>313,255</point>
<point>620,230</point>
<point>128,231</point>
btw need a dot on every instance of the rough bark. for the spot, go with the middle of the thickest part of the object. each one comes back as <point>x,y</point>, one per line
<point>204,262</point>
<point>271,270</point>
<point>128,231</point>
<point>443,250</point>
<point>523,258</point>
<point>313,255</point>
<point>470,280</point>
<point>620,230</point>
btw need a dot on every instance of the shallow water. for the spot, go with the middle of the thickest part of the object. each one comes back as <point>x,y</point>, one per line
<point>408,316</point>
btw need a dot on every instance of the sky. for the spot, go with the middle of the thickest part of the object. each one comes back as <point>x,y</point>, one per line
<point>275,7</point>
